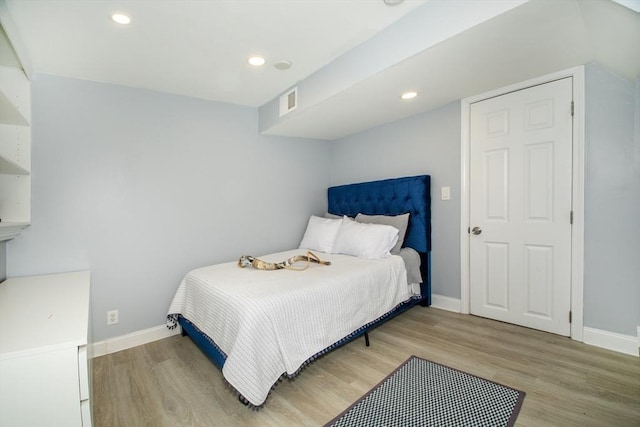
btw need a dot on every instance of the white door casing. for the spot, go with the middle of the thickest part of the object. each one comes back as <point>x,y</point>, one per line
<point>577,194</point>
<point>520,204</point>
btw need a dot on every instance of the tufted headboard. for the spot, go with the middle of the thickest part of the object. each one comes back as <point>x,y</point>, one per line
<point>393,197</point>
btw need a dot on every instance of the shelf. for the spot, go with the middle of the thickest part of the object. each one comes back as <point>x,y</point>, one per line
<point>15,151</point>
<point>10,168</point>
<point>9,230</point>
<point>9,114</point>
<point>15,100</point>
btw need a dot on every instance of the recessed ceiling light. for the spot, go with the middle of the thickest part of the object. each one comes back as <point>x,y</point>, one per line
<point>409,95</point>
<point>121,18</point>
<point>256,61</point>
<point>392,2</point>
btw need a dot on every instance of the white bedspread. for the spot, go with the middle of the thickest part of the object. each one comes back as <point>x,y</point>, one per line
<point>271,322</point>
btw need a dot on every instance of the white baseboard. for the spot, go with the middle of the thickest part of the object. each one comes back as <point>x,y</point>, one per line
<point>610,340</point>
<point>445,303</point>
<point>133,339</point>
<point>626,344</point>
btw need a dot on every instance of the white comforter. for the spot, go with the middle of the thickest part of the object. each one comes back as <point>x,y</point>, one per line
<point>271,322</point>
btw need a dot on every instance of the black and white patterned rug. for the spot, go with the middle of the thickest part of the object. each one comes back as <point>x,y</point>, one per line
<point>424,393</point>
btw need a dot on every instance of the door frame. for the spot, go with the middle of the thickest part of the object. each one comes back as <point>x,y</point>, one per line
<point>577,190</point>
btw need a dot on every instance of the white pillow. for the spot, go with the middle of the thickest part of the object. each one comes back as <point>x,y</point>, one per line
<point>320,234</point>
<point>368,241</point>
<point>401,222</point>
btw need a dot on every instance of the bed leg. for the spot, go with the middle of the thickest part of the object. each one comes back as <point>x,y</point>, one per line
<point>183,332</point>
<point>366,339</point>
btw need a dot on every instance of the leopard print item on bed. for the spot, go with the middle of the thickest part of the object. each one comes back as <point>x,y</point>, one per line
<point>248,260</point>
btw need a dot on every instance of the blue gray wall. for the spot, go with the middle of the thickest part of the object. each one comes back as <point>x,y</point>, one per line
<point>612,203</point>
<point>423,144</point>
<point>140,187</point>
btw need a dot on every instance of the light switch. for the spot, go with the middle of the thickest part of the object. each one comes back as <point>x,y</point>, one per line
<point>445,192</point>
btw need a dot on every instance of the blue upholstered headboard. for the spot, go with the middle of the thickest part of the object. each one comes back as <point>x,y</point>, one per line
<point>389,197</point>
<point>393,197</point>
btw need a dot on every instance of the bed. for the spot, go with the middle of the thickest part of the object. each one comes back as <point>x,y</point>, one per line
<point>260,326</point>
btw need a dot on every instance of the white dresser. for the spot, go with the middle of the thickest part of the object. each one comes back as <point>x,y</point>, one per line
<point>44,367</point>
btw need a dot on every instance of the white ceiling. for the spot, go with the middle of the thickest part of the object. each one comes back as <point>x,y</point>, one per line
<point>199,48</point>
<point>196,48</point>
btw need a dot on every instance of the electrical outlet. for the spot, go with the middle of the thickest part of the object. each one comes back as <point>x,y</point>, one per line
<point>112,317</point>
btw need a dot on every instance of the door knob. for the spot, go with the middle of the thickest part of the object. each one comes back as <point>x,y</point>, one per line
<point>476,230</point>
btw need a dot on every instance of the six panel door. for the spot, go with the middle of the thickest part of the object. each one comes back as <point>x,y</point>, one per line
<point>520,205</point>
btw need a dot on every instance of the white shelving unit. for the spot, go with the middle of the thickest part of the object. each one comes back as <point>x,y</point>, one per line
<point>15,143</point>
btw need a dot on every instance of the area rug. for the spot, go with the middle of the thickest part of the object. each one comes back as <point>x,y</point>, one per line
<point>424,393</point>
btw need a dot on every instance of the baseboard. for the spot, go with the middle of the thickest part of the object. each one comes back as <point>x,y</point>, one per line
<point>145,336</point>
<point>609,340</point>
<point>445,303</point>
<point>133,339</point>
<point>626,344</point>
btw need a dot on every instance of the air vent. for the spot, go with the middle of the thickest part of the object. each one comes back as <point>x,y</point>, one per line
<point>288,101</point>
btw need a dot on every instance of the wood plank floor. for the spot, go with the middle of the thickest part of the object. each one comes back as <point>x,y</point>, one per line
<point>171,383</point>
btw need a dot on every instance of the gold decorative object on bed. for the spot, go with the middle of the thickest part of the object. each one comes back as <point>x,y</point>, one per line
<point>248,260</point>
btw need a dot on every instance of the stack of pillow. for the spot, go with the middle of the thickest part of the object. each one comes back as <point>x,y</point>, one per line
<point>367,237</point>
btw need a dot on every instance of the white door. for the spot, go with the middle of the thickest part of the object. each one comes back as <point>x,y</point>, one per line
<point>520,207</point>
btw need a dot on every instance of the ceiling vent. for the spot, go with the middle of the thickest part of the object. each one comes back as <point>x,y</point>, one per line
<point>288,101</point>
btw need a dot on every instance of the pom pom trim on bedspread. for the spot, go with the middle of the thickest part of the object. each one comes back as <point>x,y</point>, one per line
<point>172,323</point>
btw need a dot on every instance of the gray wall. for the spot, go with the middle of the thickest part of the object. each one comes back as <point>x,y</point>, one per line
<point>612,203</point>
<point>140,187</point>
<point>423,144</point>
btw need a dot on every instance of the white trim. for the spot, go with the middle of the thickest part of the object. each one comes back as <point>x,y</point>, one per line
<point>465,262</point>
<point>609,340</point>
<point>577,202</point>
<point>445,303</point>
<point>133,339</point>
<point>626,344</point>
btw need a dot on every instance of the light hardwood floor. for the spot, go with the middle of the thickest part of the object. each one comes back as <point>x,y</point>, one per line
<point>171,383</point>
